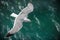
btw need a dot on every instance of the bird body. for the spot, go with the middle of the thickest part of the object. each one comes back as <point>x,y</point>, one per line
<point>20,18</point>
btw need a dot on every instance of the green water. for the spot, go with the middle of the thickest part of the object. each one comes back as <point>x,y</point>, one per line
<point>44,20</point>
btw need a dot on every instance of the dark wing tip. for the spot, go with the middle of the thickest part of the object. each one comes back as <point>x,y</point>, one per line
<point>8,35</point>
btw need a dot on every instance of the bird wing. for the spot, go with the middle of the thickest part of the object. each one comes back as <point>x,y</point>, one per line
<point>20,18</point>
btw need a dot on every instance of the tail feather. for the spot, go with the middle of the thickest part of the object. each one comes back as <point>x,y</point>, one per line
<point>14,15</point>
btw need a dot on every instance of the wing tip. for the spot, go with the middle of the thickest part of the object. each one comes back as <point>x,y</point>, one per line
<point>8,35</point>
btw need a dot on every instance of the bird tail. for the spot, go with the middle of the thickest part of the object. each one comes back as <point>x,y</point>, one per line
<point>14,15</point>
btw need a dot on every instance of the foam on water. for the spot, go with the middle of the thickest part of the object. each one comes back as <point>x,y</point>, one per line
<point>57,25</point>
<point>37,19</point>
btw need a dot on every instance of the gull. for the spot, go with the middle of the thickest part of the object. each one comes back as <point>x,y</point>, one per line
<point>19,19</point>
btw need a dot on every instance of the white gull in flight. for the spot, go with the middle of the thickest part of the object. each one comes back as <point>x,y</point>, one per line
<point>20,18</point>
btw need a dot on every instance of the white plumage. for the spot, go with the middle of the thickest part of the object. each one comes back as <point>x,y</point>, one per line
<point>20,18</point>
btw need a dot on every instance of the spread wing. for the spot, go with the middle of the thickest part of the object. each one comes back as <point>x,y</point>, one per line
<point>19,19</point>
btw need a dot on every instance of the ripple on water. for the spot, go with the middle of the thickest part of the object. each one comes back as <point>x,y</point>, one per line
<point>56,24</point>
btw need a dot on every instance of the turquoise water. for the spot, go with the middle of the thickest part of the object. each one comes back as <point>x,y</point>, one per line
<point>45,20</point>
